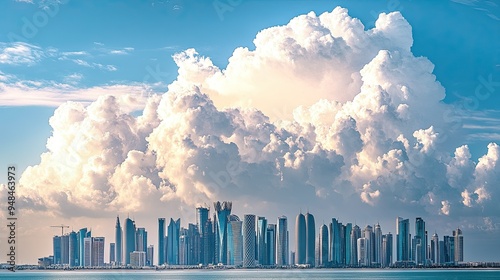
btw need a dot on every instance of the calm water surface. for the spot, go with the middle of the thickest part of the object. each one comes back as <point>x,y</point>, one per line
<point>256,274</point>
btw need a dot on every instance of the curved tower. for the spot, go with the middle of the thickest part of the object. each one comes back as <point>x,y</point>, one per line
<point>300,239</point>
<point>323,245</point>
<point>310,239</point>
<point>129,234</point>
<point>222,212</point>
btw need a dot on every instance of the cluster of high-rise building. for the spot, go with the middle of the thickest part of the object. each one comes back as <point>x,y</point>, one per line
<point>77,249</point>
<point>225,239</point>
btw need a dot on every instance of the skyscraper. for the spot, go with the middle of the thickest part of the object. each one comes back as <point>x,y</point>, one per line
<point>262,256</point>
<point>118,242</point>
<point>282,241</point>
<point>323,245</point>
<point>369,237</point>
<point>173,241</point>
<point>97,252</point>
<point>355,235</point>
<point>300,239</point>
<point>403,239</point>
<point>336,242</point>
<point>65,249</point>
<point>348,243</point>
<point>420,239</point>
<point>161,241</point>
<point>310,239</point>
<point>82,233</point>
<point>129,234</point>
<point>362,252</point>
<point>57,250</point>
<point>150,256</point>
<point>208,243</point>
<point>249,240</point>
<point>235,241</point>
<point>271,243</point>
<point>112,252</point>
<point>386,250</point>
<point>141,240</point>
<point>459,245</point>
<point>377,243</point>
<point>73,249</point>
<point>201,220</point>
<point>435,248</point>
<point>222,212</point>
<point>87,252</point>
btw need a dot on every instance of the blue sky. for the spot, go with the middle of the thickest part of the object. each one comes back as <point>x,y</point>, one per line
<point>86,48</point>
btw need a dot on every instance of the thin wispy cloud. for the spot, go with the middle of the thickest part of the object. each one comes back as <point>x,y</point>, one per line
<point>19,53</point>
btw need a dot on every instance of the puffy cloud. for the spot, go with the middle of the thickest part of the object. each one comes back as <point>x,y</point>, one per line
<point>321,111</point>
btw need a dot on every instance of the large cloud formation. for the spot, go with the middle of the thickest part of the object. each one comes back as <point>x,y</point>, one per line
<point>321,111</point>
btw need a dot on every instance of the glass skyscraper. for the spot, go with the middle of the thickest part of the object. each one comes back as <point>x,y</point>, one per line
<point>262,256</point>
<point>403,239</point>
<point>271,243</point>
<point>222,212</point>
<point>129,236</point>
<point>173,241</point>
<point>419,256</point>
<point>161,241</point>
<point>118,242</point>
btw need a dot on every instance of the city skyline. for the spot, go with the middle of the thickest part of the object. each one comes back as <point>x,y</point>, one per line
<point>358,111</point>
<point>346,245</point>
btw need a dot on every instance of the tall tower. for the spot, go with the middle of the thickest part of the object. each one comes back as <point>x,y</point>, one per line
<point>459,245</point>
<point>362,252</point>
<point>129,234</point>
<point>73,249</point>
<point>369,241</point>
<point>386,250</point>
<point>310,239</point>
<point>355,235</point>
<point>97,251</point>
<point>174,228</point>
<point>56,245</point>
<point>348,243</point>
<point>271,243</point>
<point>249,240</point>
<point>323,245</point>
<point>435,248</point>
<point>118,242</point>
<point>420,239</point>
<point>161,241</point>
<point>300,239</point>
<point>403,239</point>
<point>82,233</point>
<point>222,212</point>
<point>261,241</point>
<point>282,241</point>
<point>378,244</point>
<point>234,241</point>
<point>141,240</point>
<point>201,221</point>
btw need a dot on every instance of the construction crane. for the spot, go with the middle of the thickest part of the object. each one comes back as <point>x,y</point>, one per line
<point>62,228</point>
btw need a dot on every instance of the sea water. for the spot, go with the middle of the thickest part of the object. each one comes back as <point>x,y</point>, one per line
<point>423,274</point>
